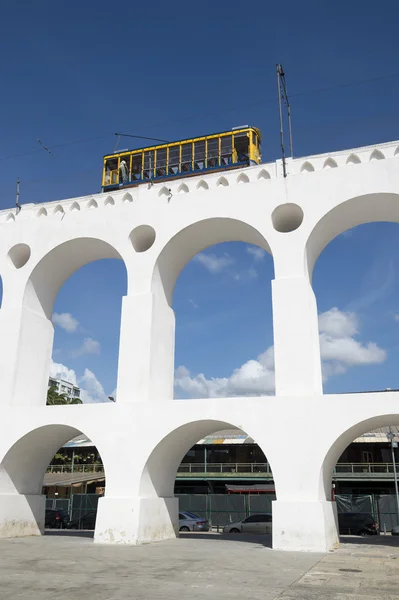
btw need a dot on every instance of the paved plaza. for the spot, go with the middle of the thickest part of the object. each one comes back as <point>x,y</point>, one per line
<point>205,566</point>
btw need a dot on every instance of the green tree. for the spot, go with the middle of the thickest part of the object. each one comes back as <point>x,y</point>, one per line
<point>54,398</point>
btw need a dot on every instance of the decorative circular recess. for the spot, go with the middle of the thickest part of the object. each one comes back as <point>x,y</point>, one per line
<point>19,255</point>
<point>142,237</point>
<point>287,217</point>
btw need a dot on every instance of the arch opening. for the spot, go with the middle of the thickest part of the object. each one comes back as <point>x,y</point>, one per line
<point>184,457</point>
<point>192,240</point>
<point>72,311</point>
<point>356,290</point>
<point>358,474</point>
<point>47,461</point>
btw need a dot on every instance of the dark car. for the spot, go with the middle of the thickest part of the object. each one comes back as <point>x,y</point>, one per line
<point>353,523</point>
<point>87,521</point>
<point>56,518</point>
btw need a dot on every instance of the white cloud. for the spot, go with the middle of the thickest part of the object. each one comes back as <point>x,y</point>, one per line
<point>256,252</point>
<point>193,304</point>
<point>66,321</point>
<point>396,317</point>
<point>91,390</point>
<point>88,346</point>
<point>339,352</point>
<point>338,348</point>
<point>59,371</point>
<point>214,264</point>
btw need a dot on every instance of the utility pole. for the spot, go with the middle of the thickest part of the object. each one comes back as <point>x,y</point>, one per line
<point>283,99</point>
<point>17,204</point>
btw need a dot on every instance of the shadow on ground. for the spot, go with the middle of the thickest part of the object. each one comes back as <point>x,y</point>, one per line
<point>69,533</point>
<point>371,540</point>
<point>262,539</point>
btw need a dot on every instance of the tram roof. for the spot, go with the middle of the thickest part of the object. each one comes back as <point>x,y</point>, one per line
<point>190,139</point>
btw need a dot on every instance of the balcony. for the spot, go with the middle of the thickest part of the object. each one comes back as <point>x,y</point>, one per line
<point>342,471</point>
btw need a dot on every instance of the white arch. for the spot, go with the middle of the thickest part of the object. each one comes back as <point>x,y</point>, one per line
<point>164,191</point>
<point>355,211</point>
<point>109,201</point>
<point>330,163</point>
<point>222,181</point>
<point>307,167</point>
<point>396,151</point>
<point>193,239</point>
<point>243,178</point>
<point>353,159</point>
<point>42,212</point>
<point>127,198</point>
<point>376,155</point>
<point>10,217</point>
<point>202,185</point>
<point>345,438</point>
<point>160,467</point>
<point>264,174</point>
<point>182,189</point>
<point>75,206</point>
<point>58,210</point>
<point>92,204</point>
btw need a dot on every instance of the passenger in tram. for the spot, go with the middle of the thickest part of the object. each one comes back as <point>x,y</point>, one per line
<point>123,171</point>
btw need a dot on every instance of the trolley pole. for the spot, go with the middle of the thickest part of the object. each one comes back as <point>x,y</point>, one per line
<point>283,97</point>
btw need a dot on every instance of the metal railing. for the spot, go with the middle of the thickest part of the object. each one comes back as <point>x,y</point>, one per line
<point>341,469</point>
<point>360,468</point>
<point>75,468</point>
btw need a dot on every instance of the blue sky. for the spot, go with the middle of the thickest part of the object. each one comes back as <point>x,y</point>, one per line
<point>73,74</point>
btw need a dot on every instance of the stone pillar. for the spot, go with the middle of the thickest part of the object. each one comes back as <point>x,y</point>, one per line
<point>21,515</point>
<point>146,349</point>
<point>136,520</point>
<point>305,526</point>
<point>25,353</point>
<point>296,338</point>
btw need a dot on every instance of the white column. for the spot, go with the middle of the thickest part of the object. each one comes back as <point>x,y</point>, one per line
<point>25,353</point>
<point>21,515</point>
<point>136,520</point>
<point>305,526</point>
<point>296,338</point>
<point>146,349</point>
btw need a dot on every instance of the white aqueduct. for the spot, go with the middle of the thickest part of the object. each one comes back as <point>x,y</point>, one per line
<point>156,233</point>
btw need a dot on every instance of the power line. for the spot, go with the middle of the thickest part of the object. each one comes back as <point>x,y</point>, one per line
<point>222,109</point>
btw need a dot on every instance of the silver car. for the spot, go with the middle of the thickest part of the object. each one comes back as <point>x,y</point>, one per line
<point>190,522</point>
<point>261,523</point>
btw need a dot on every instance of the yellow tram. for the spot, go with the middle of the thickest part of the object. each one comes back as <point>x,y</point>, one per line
<point>233,149</point>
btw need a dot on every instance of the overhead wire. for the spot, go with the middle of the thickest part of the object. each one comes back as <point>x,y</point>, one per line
<point>223,109</point>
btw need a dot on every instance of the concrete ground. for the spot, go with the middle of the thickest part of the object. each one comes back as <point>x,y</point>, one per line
<point>69,566</point>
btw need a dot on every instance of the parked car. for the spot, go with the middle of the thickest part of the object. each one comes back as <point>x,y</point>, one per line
<point>360,523</point>
<point>190,522</point>
<point>87,521</point>
<point>261,523</point>
<point>55,518</point>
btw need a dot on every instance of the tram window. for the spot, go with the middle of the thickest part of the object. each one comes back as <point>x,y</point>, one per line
<point>174,159</point>
<point>136,166</point>
<point>213,152</point>
<point>186,157</point>
<point>199,155</point>
<point>149,164</point>
<point>241,145</point>
<point>111,171</point>
<point>226,150</point>
<point>161,162</point>
<point>254,139</point>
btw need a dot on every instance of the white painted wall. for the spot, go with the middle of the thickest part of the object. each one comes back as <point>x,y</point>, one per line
<point>146,433</point>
